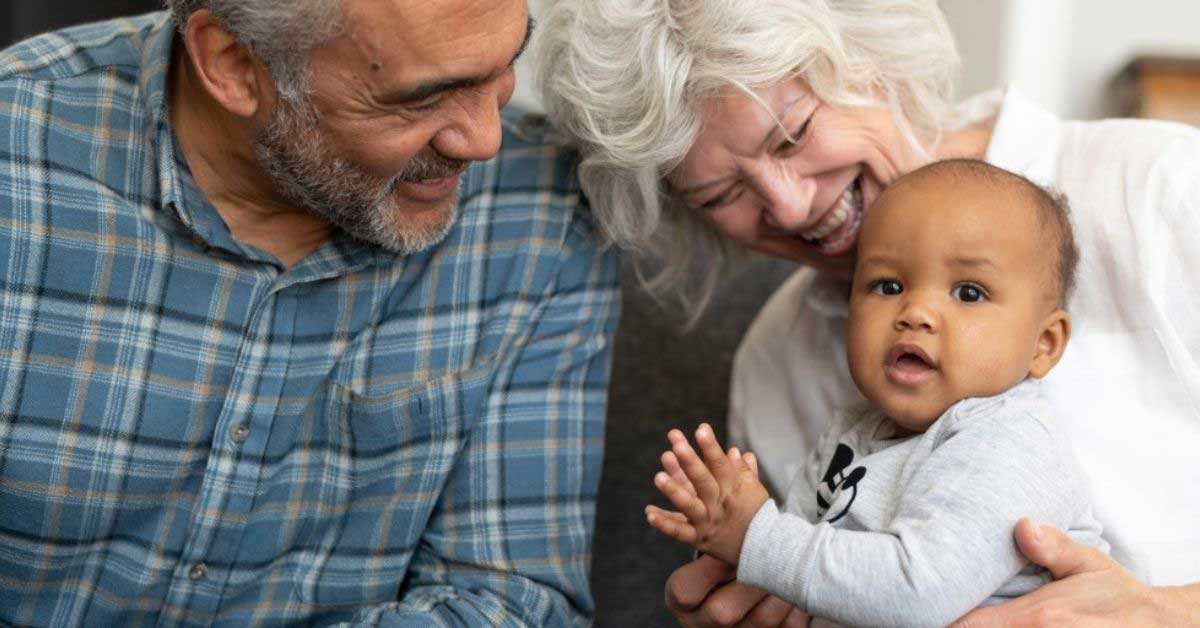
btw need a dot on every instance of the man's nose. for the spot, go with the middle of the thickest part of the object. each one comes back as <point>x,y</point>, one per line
<point>917,314</point>
<point>788,202</point>
<point>474,134</point>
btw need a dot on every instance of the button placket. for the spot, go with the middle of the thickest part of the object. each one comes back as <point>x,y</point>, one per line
<point>199,571</point>
<point>239,433</point>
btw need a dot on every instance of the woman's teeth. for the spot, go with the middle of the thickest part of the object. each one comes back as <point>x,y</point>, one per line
<point>829,224</point>
<point>840,222</point>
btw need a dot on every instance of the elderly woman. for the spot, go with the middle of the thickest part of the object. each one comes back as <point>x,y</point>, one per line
<point>713,127</point>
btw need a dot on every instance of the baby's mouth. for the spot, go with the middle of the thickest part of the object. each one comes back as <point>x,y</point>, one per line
<point>836,232</point>
<point>909,364</point>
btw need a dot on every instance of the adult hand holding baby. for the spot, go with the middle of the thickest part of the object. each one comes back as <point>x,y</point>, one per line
<point>1090,589</point>
<point>704,594</point>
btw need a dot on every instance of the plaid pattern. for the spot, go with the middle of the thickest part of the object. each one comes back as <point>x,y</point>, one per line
<point>192,435</point>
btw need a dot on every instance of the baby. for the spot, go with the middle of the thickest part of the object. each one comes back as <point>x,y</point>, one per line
<point>904,514</point>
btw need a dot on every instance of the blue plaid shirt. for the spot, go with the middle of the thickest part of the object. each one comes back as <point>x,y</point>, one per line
<point>191,434</point>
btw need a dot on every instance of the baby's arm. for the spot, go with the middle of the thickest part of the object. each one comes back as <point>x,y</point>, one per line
<point>716,497</point>
<point>946,549</point>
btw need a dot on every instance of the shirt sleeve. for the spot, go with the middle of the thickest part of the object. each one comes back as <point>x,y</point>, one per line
<point>1178,256</point>
<point>509,543</point>
<point>948,547</point>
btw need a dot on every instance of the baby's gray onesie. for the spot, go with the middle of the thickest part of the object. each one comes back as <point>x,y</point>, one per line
<point>917,530</point>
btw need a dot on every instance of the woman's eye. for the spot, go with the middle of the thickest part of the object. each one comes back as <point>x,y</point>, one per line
<point>887,287</point>
<point>725,198</point>
<point>968,293</point>
<point>790,144</point>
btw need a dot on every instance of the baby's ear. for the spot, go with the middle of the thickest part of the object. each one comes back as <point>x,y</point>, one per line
<point>1051,342</point>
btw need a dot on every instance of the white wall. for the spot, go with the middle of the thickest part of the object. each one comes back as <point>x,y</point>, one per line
<point>526,95</point>
<point>1108,33</point>
<point>1063,53</point>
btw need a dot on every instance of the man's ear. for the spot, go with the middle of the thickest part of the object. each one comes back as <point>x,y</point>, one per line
<point>223,67</point>
<point>1051,342</point>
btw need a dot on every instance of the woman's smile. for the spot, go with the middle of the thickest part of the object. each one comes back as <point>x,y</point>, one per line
<point>836,232</point>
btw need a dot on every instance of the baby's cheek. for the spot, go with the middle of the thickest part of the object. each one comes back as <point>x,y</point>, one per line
<point>995,367</point>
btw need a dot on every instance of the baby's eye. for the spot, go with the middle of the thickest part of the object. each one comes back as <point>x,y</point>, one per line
<point>968,293</point>
<point>887,287</point>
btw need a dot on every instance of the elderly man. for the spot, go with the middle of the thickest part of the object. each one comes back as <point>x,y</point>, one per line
<point>296,327</point>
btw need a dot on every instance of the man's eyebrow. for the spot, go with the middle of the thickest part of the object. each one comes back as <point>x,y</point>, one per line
<point>423,91</point>
<point>529,26</point>
<point>783,111</point>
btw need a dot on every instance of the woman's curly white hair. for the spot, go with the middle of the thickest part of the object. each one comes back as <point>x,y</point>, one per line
<point>626,81</point>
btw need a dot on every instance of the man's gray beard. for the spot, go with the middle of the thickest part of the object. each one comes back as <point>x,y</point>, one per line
<point>294,154</point>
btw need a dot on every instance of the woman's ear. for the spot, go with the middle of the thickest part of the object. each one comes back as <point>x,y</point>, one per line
<point>226,69</point>
<point>1051,342</point>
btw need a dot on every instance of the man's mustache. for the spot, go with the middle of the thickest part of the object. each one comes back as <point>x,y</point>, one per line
<point>426,168</point>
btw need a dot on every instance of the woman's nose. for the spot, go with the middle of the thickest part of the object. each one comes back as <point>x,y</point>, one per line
<point>917,315</point>
<point>788,203</point>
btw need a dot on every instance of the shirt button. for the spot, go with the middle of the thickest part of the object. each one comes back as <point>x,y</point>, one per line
<point>239,433</point>
<point>199,571</point>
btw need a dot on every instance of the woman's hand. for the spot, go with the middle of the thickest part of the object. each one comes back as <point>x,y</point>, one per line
<point>1090,589</point>
<point>703,594</point>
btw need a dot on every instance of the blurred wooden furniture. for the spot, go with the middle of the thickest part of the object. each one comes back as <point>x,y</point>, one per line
<point>1166,88</point>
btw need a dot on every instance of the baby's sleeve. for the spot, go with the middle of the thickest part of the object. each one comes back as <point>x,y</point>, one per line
<point>949,545</point>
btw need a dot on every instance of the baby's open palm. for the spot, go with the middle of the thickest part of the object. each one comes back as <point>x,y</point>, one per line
<point>717,494</point>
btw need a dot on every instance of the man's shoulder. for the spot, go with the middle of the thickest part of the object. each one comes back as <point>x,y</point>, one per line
<point>533,157</point>
<point>534,181</point>
<point>100,47</point>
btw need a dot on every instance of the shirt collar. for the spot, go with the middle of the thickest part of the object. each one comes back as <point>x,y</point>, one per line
<point>179,193</point>
<point>152,79</point>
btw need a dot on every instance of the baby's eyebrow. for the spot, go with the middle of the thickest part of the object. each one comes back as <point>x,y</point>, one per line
<point>876,259</point>
<point>974,262</point>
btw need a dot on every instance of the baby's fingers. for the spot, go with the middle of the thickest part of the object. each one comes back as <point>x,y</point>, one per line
<point>671,524</point>
<point>694,468</point>
<point>752,462</point>
<point>670,464</point>
<point>714,457</point>
<point>681,498</point>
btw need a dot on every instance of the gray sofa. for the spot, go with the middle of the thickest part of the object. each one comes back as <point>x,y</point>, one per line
<point>662,378</point>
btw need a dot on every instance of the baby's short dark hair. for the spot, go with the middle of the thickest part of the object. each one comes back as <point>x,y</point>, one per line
<point>1054,214</point>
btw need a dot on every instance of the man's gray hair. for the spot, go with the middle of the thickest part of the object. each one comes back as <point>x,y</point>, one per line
<point>627,81</point>
<point>282,33</point>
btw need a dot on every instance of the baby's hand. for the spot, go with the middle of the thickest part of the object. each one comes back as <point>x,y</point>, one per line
<point>716,497</point>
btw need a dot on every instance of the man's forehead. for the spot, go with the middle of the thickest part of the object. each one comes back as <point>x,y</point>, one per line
<point>446,35</point>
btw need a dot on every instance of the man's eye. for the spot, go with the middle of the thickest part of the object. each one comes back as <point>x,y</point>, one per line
<point>427,104</point>
<point>968,293</point>
<point>887,287</point>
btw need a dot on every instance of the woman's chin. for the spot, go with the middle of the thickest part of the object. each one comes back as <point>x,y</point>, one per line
<point>838,262</point>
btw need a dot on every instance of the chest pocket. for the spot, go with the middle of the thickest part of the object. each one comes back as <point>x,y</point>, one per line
<point>393,456</point>
<point>406,439</point>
